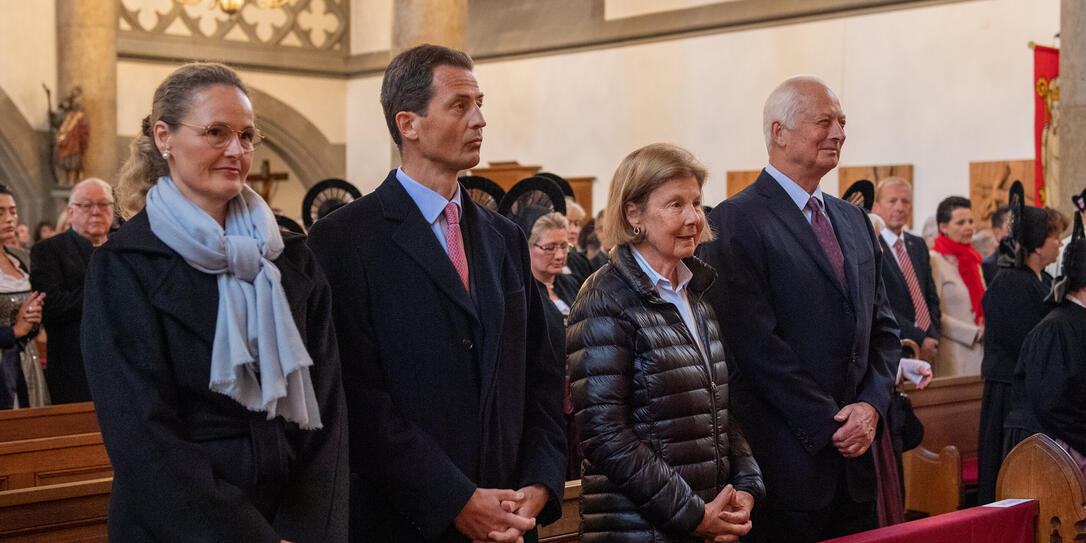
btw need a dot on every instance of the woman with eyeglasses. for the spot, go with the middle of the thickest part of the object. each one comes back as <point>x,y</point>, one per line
<point>208,341</point>
<point>548,248</point>
<point>664,458</point>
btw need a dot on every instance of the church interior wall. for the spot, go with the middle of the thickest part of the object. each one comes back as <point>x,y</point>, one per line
<point>28,57</point>
<point>936,86</point>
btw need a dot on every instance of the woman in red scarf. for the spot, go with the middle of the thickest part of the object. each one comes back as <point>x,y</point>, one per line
<point>955,267</point>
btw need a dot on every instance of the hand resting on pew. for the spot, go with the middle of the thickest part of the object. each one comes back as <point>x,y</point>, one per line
<point>916,371</point>
<point>858,431</point>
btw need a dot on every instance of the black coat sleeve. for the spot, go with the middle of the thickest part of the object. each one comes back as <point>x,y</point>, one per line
<point>884,343</point>
<point>137,404</point>
<point>62,304</point>
<point>543,447</point>
<point>601,350</point>
<point>429,489</point>
<point>316,507</point>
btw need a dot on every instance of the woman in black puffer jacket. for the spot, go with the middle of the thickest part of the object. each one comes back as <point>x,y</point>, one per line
<point>664,462</point>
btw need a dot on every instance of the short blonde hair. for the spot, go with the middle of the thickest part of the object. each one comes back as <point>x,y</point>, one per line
<point>551,221</point>
<point>574,211</point>
<point>891,182</point>
<point>638,176</point>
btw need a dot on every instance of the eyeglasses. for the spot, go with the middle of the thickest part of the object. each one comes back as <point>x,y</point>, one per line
<point>550,249</point>
<point>88,206</point>
<point>219,134</point>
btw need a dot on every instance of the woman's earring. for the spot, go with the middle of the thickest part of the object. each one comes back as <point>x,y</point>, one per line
<point>637,231</point>
<point>166,154</point>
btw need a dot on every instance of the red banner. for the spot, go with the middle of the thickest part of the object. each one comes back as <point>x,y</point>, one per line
<point>1046,97</point>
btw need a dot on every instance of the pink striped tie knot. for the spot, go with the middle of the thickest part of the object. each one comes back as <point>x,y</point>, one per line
<point>454,242</point>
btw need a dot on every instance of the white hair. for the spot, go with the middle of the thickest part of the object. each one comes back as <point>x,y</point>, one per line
<point>90,181</point>
<point>784,104</point>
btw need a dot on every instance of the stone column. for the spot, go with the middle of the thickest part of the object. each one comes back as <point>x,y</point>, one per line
<point>1072,147</point>
<point>87,57</point>
<point>415,22</point>
<point>441,22</point>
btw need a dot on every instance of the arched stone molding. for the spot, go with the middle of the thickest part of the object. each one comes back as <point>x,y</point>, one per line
<point>301,144</point>
<point>24,162</point>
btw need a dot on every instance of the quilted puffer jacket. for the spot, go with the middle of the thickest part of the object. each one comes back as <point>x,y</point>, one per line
<point>653,413</point>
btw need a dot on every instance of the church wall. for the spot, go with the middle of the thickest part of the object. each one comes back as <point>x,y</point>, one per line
<point>28,57</point>
<point>321,100</point>
<point>937,87</point>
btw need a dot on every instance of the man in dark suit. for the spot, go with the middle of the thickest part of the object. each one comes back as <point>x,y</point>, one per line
<point>803,308</point>
<point>906,273</point>
<point>454,398</point>
<point>990,265</point>
<point>57,266</point>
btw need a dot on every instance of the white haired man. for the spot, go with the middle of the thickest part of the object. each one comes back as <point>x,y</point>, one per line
<point>803,309</point>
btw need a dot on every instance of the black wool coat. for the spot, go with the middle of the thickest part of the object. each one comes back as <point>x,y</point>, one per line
<point>653,412</point>
<point>58,266</point>
<point>191,464</point>
<point>447,391</point>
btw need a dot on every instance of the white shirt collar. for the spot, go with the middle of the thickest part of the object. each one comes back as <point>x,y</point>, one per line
<point>795,192</point>
<point>430,203</point>
<point>682,273</point>
<point>891,238</point>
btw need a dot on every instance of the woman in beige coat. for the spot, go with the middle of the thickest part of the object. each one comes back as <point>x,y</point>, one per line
<point>956,270</point>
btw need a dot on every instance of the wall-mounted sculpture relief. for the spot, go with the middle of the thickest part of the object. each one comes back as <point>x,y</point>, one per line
<point>301,33</point>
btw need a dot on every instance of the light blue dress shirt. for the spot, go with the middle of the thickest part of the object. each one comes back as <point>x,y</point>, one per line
<point>796,192</point>
<point>675,295</point>
<point>431,205</point>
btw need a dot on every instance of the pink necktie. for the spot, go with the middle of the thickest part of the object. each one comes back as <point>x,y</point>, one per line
<point>455,243</point>
<point>827,239</point>
<point>923,319</point>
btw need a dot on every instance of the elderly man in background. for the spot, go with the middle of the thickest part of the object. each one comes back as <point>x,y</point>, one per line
<point>57,268</point>
<point>990,265</point>
<point>907,276</point>
<point>803,308</point>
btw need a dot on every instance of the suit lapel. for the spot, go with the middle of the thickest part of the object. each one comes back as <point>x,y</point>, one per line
<point>415,238</point>
<point>485,268</point>
<point>892,258</point>
<point>792,217</point>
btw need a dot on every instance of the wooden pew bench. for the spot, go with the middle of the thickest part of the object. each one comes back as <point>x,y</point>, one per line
<point>949,408</point>
<point>567,528</point>
<point>67,512</point>
<point>51,460</point>
<point>1039,469</point>
<point>53,420</point>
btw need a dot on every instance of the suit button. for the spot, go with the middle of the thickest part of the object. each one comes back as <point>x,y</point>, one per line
<point>468,345</point>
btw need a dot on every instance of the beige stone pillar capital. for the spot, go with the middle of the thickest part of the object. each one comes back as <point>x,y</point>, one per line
<point>440,22</point>
<point>87,57</point>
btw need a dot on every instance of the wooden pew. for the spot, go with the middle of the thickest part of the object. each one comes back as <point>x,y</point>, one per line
<point>567,528</point>
<point>51,460</point>
<point>65,512</point>
<point>1039,469</point>
<point>53,420</point>
<point>950,409</point>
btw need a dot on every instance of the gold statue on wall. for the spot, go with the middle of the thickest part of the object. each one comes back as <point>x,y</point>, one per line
<point>71,135</point>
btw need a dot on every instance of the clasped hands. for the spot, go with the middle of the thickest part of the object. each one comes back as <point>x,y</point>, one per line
<point>858,431</point>
<point>726,517</point>
<point>501,516</point>
<point>29,314</point>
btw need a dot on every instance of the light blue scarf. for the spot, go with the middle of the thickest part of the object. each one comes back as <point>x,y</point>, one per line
<point>258,357</point>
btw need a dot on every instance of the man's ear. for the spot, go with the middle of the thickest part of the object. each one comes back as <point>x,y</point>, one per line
<point>406,123</point>
<point>776,130</point>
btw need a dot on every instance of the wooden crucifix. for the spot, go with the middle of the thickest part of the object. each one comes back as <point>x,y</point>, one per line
<point>264,182</point>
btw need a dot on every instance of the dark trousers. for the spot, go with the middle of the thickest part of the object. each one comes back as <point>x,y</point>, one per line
<point>842,517</point>
<point>994,406</point>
